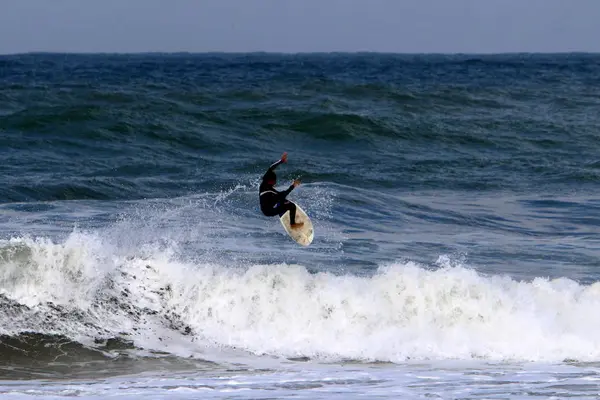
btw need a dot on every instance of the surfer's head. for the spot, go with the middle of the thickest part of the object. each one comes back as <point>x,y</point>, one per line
<point>270,177</point>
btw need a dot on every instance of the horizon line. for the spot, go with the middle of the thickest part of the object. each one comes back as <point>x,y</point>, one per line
<point>260,52</point>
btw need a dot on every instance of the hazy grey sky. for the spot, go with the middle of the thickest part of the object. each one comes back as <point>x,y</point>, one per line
<point>447,26</point>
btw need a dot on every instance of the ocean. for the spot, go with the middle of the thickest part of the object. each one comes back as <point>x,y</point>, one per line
<point>455,201</point>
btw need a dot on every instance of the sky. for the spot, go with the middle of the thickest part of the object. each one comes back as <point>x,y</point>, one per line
<point>290,26</point>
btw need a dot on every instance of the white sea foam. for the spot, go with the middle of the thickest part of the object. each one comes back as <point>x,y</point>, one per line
<point>403,311</point>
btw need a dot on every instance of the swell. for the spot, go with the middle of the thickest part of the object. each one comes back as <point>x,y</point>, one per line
<point>144,126</point>
<point>32,355</point>
<point>36,348</point>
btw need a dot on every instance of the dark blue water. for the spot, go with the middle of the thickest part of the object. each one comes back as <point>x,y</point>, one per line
<point>116,165</point>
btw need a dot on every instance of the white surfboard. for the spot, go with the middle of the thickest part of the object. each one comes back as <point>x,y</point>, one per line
<point>303,235</point>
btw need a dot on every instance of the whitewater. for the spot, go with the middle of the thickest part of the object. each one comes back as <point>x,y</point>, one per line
<point>403,311</point>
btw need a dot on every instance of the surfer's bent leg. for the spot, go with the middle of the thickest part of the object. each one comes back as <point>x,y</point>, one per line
<point>288,206</point>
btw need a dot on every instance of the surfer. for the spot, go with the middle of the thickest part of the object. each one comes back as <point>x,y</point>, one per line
<point>272,201</point>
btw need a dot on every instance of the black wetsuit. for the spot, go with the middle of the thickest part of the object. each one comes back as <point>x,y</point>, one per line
<point>272,201</point>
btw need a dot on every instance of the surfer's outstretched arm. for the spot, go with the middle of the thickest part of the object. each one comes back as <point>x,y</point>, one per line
<point>275,165</point>
<point>284,194</point>
<point>280,161</point>
<point>270,174</point>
